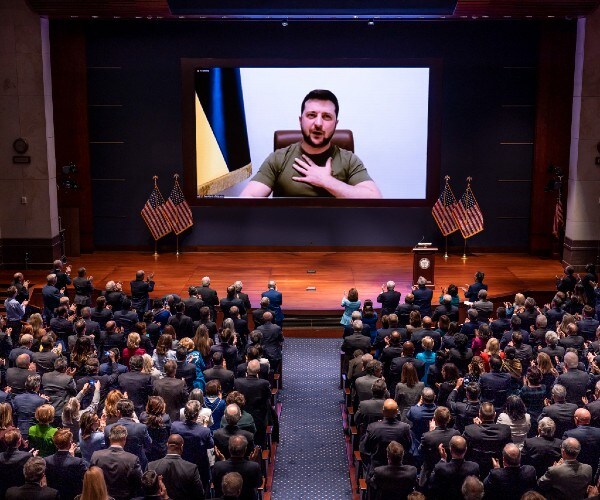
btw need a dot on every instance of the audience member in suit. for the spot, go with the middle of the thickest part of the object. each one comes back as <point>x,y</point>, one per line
<point>446,308</point>
<point>429,449</point>
<point>371,410</point>
<point>512,479</point>
<point>180,477</point>
<point>122,470</point>
<point>588,437</point>
<point>588,325</point>
<point>12,461</point>
<point>468,328</point>
<point>181,322</point>
<point>447,477</point>
<point>363,385</point>
<point>138,385</point>
<point>140,289</point>
<point>197,438</point>
<point>34,488</point>
<point>91,327</point>
<point>573,340</point>
<point>220,372</point>
<point>561,412</point>
<point>227,348</point>
<point>209,296</point>
<point>496,384</point>
<point>272,340</point>
<point>483,306</point>
<point>472,292</point>
<point>101,314</point>
<point>408,353</point>
<point>420,416</point>
<point>567,282</point>
<point>249,470</point>
<point>348,330</point>
<point>575,381</point>
<point>44,359</point>
<point>107,382</point>
<point>185,370</point>
<point>461,354</point>
<point>230,301</point>
<point>252,353</point>
<point>25,345</point>
<point>24,405</point>
<point>242,296</point>
<point>193,303</point>
<point>240,324</point>
<point>257,314</point>
<point>464,411</point>
<point>246,422</point>
<point>392,349</point>
<point>501,323</point>
<point>569,479</point>
<point>529,314</point>
<point>126,318</point>
<point>374,442</point>
<point>403,310</point>
<point>388,298</point>
<point>594,406</point>
<point>221,436</point>
<point>112,337</point>
<point>51,296</point>
<point>138,440</point>
<point>258,398</point>
<point>64,471</point>
<point>543,450</point>
<point>393,480</point>
<point>357,340</point>
<point>17,375</point>
<point>275,301</point>
<point>426,330</point>
<point>173,390</point>
<point>423,296</point>
<point>537,338</point>
<point>486,439</point>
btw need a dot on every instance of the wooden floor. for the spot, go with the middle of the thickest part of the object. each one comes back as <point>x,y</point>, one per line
<point>335,272</point>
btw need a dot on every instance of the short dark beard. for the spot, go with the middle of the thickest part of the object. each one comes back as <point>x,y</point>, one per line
<point>308,140</point>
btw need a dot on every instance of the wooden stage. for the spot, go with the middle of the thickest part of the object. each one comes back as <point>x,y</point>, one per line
<point>335,272</point>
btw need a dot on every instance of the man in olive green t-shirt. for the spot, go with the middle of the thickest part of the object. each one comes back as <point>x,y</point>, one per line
<point>314,166</point>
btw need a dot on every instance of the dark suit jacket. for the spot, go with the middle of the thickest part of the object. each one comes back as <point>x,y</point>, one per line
<point>576,382</point>
<point>138,439</point>
<point>423,298</point>
<point>379,434</point>
<point>223,375</point>
<point>197,440</point>
<point>138,386</point>
<point>210,298</point>
<point>541,453</point>
<point>389,301</point>
<point>567,481</point>
<point>257,316</point>
<point>51,297</point>
<point>275,302</point>
<point>499,326</point>
<point>509,483</point>
<point>594,409</point>
<point>348,330</point>
<point>139,294</point>
<point>463,412</point>
<point>183,324</point>
<point>122,471</point>
<point>192,307</point>
<point>356,341</point>
<point>31,491</point>
<point>447,309</point>
<point>562,415</point>
<point>59,387</point>
<point>240,371</point>
<point>258,398</point>
<point>369,411</point>
<point>589,439</point>
<point>392,481</point>
<point>11,469</point>
<point>227,304</point>
<point>472,293</point>
<point>65,473</point>
<point>250,472</point>
<point>24,406</point>
<point>126,320</point>
<point>447,478</point>
<point>221,438</point>
<point>181,478</point>
<point>186,371</point>
<point>429,446</point>
<point>403,312</point>
<point>485,442</point>
<point>175,393</point>
<point>16,378</point>
<point>272,340</point>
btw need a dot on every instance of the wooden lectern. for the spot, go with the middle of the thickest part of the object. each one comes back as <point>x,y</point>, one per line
<point>424,264</point>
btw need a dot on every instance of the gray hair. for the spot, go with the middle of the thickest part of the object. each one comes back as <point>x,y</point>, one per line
<point>238,286</point>
<point>447,298</point>
<point>356,315</point>
<point>205,281</point>
<point>571,447</point>
<point>571,360</point>
<point>546,427</point>
<point>482,294</point>
<point>34,469</point>
<point>357,325</point>
<point>390,285</point>
<point>559,393</point>
<point>472,488</point>
<point>551,337</point>
<point>421,281</point>
<point>541,321</point>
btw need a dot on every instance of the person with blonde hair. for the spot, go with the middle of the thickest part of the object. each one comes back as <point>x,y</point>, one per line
<point>133,348</point>
<point>149,368</point>
<point>94,485</point>
<point>427,356</point>
<point>72,412</point>
<point>110,412</point>
<point>492,347</point>
<point>6,423</point>
<point>41,434</point>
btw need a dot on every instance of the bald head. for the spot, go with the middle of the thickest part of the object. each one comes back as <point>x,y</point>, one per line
<point>582,416</point>
<point>175,444</point>
<point>23,360</point>
<point>458,447</point>
<point>571,361</point>
<point>511,455</point>
<point>390,408</point>
<point>253,368</point>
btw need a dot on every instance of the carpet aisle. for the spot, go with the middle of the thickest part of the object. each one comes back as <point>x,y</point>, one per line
<point>311,461</point>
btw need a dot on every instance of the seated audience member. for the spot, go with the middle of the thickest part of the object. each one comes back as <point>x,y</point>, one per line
<point>486,439</point>
<point>379,434</point>
<point>40,435</point>
<point>91,434</point>
<point>122,470</point>
<point>220,372</point>
<point>543,450</point>
<point>569,479</point>
<point>472,488</point>
<point>181,478</point>
<point>26,404</point>
<point>158,423</point>
<point>249,470</point>
<point>172,390</point>
<point>371,410</point>
<point>138,440</point>
<point>448,476</point>
<point>561,412</point>
<point>65,471</point>
<point>221,436</point>
<point>12,461</point>
<point>246,422</point>
<point>197,438</point>
<point>464,411</point>
<point>513,479</point>
<point>588,437</point>
<point>35,487</point>
<point>429,449</point>
<point>394,479</point>
<point>138,385</point>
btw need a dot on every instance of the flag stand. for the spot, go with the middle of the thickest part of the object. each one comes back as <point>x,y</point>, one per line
<point>155,248</point>
<point>446,251</point>
<point>177,245</point>
<point>464,257</point>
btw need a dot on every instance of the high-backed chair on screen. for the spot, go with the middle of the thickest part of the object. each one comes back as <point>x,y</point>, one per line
<point>342,138</point>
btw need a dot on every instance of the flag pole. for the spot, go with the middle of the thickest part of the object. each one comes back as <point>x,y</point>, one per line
<point>464,257</point>
<point>177,240</point>
<point>446,252</point>
<point>155,248</point>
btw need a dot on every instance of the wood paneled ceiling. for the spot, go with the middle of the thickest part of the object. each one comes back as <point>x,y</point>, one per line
<point>465,9</point>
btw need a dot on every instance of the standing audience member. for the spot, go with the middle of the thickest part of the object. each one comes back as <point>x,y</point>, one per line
<point>94,485</point>
<point>64,471</point>
<point>35,487</point>
<point>394,479</point>
<point>12,461</point>
<point>247,468</point>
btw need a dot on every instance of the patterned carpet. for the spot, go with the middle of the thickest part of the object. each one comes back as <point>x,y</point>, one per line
<point>310,460</point>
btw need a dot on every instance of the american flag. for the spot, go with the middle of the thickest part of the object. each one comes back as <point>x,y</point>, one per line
<point>559,219</point>
<point>442,211</point>
<point>468,214</point>
<point>154,216</point>
<point>178,211</point>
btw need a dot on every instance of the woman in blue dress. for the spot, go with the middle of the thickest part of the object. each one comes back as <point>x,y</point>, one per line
<point>350,303</point>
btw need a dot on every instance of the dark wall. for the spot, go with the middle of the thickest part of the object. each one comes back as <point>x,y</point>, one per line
<point>488,121</point>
